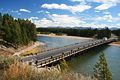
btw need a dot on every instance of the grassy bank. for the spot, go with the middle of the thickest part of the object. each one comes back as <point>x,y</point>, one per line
<point>11,69</point>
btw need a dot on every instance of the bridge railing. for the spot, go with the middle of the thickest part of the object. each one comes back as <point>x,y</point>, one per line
<point>51,59</point>
<point>64,46</point>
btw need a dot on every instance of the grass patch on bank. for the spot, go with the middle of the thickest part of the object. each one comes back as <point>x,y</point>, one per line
<point>30,52</point>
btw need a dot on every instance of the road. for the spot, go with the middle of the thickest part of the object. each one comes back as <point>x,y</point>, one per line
<point>47,54</point>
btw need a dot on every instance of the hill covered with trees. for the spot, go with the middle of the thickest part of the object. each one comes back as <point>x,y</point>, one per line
<point>18,32</point>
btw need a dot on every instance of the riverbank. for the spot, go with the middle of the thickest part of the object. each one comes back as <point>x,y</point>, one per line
<point>116,44</point>
<point>31,49</point>
<point>63,36</point>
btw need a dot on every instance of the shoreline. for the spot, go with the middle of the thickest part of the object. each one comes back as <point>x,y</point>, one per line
<point>30,48</point>
<point>64,36</point>
<point>39,46</point>
<point>113,44</point>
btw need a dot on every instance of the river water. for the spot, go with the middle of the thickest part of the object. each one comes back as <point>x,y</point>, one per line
<point>84,63</point>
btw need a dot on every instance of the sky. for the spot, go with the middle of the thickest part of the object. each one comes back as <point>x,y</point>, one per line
<point>65,13</point>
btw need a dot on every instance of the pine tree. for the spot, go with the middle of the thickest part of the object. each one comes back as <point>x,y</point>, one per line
<point>101,70</point>
<point>18,32</point>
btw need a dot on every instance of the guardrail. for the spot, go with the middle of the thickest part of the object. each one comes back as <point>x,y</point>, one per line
<point>51,59</point>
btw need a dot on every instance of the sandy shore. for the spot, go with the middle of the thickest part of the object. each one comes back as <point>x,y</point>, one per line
<point>64,36</point>
<point>35,45</point>
<point>118,45</point>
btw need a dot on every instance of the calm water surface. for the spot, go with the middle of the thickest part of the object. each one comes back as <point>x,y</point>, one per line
<point>85,62</point>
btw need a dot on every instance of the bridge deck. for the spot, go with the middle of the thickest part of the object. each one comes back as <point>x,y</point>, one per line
<point>54,55</point>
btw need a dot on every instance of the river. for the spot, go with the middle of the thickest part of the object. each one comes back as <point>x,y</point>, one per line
<point>84,63</point>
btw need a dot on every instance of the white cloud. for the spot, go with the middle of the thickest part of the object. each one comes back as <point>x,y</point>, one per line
<point>80,1</point>
<point>97,11</point>
<point>47,12</point>
<point>25,10</point>
<point>94,25</point>
<point>16,12</point>
<point>58,20</point>
<point>42,11</point>
<point>106,12</point>
<point>107,1</point>
<point>77,0</point>
<point>118,25</point>
<point>73,9</point>
<point>119,14</point>
<point>55,20</point>
<point>33,18</point>
<point>107,18</point>
<point>105,6</point>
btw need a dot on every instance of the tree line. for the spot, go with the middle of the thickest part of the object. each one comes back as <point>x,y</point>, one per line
<point>88,32</point>
<point>116,32</point>
<point>18,32</point>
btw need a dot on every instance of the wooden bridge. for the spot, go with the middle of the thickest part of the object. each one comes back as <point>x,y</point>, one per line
<point>51,56</point>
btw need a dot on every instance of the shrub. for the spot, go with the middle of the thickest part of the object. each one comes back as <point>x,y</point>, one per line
<point>5,62</point>
<point>20,71</point>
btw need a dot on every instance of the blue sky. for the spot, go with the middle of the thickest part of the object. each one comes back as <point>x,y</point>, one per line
<point>65,13</point>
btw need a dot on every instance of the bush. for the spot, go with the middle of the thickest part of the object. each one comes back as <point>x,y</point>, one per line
<point>20,71</point>
<point>5,62</point>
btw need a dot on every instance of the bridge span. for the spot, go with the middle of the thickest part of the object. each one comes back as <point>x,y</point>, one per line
<point>51,56</point>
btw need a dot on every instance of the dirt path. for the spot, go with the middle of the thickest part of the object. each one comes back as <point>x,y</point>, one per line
<point>36,44</point>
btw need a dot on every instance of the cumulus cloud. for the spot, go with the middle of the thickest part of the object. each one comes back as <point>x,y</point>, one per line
<point>108,18</point>
<point>73,9</point>
<point>58,20</point>
<point>55,20</point>
<point>25,10</point>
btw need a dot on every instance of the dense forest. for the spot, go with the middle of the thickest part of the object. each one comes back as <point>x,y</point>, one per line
<point>116,32</point>
<point>105,32</point>
<point>18,32</point>
<point>69,31</point>
<point>88,32</point>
